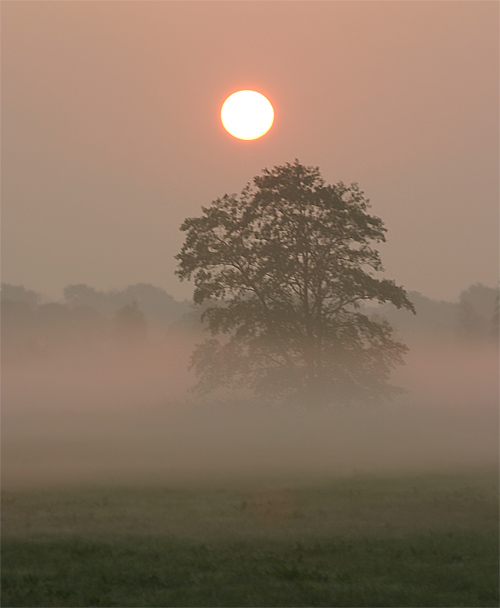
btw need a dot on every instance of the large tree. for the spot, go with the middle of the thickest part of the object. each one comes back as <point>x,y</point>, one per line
<point>281,273</point>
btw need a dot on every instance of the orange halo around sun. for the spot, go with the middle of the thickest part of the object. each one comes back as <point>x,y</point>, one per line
<point>247,115</point>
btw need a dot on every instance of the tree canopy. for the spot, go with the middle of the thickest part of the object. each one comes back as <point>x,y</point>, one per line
<point>281,272</point>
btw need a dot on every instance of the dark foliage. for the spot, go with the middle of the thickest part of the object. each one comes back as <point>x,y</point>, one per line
<point>281,271</point>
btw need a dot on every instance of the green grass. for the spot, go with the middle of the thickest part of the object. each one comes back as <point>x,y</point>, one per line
<point>364,541</point>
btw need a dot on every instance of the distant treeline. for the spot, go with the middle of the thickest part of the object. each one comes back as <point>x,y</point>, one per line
<point>473,317</point>
<point>87,317</point>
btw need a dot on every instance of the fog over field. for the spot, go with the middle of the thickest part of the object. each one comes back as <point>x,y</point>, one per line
<point>250,352</point>
<point>103,410</point>
<point>114,157</point>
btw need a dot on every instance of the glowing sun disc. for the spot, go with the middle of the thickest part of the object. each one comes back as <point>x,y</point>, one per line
<point>247,115</point>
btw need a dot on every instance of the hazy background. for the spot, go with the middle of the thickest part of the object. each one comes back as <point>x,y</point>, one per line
<point>111,133</point>
<point>96,389</point>
<point>111,137</point>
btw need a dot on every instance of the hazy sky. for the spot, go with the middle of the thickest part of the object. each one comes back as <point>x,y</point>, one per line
<point>111,133</point>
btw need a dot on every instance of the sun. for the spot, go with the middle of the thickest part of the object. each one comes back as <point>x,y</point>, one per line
<point>247,114</point>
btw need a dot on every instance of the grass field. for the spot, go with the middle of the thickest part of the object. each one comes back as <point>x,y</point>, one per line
<point>363,540</point>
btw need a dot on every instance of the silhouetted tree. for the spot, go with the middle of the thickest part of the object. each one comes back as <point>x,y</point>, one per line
<point>83,295</point>
<point>157,305</point>
<point>281,271</point>
<point>476,311</point>
<point>19,293</point>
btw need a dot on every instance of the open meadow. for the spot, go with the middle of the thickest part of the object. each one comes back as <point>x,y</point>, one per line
<point>359,540</point>
<point>106,503</point>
